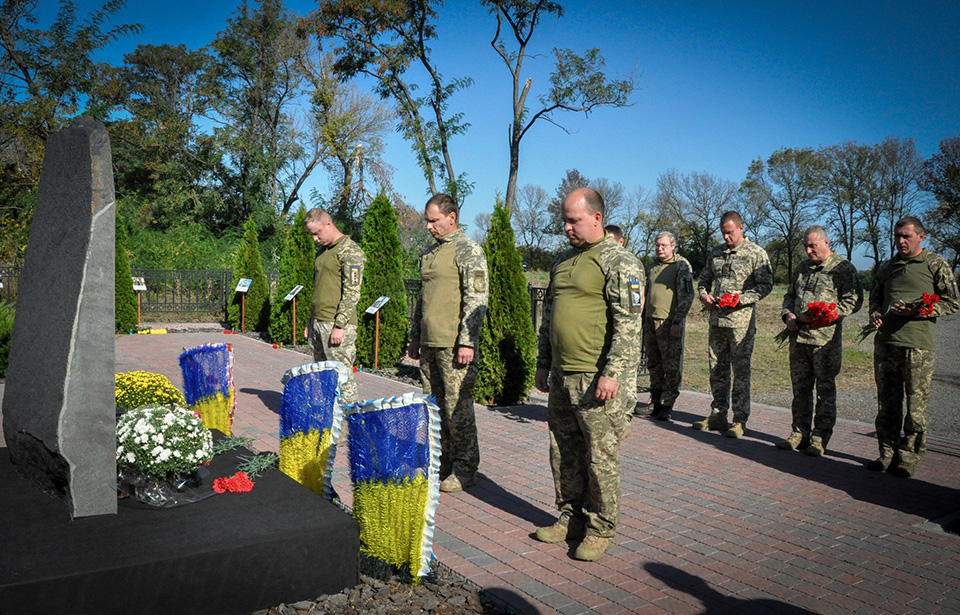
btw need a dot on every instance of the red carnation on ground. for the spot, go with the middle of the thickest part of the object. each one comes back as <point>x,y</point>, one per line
<point>238,483</point>
<point>730,300</point>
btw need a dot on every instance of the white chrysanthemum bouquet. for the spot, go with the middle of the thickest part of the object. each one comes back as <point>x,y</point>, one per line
<point>163,441</point>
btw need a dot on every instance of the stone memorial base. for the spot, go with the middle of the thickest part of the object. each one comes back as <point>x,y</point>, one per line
<point>232,553</point>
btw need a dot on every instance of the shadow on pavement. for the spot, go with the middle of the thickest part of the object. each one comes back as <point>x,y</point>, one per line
<point>493,494</point>
<point>525,413</point>
<point>714,601</point>
<point>270,399</point>
<point>910,496</point>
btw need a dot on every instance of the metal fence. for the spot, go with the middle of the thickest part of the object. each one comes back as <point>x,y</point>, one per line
<point>9,279</point>
<point>207,291</point>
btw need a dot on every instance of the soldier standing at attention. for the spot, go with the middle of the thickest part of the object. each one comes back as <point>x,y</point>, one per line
<point>736,276</point>
<point>445,334</point>
<point>816,347</point>
<point>669,297</point>
<point>587,347</point>
<point>338,272</point>
<point>904,348</point>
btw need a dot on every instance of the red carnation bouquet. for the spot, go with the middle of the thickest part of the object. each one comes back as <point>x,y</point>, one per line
<point>238,483</point>
<point>729,300</point>
<point>821,313</point>
<point>924,306</point>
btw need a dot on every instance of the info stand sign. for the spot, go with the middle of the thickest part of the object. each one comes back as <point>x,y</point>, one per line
<point>292,296</point>
<point>139,286</point>
<point>375,310</point>
<point>242,287</point>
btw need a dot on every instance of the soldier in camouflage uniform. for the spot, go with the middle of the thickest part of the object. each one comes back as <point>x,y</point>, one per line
<point>588,361</point>
<point>669,297</point>
<point>445,334</point>
<point>736,267</point>
<point>904,348</point>
<point>816,349</point>
<point>338,272</point>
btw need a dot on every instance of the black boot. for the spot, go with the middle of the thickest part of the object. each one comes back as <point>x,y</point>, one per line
<point>655,400</point>
<point>664,414</point>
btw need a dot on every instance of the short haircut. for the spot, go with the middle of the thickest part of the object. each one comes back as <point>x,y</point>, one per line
<point>594,201</point>
<point>317,214</point>
<point>817,230</point>
<point>731,215</point>
<point>908,221</point>
<point>668,235</point>
<point>444,203</point>
<point>614,230</point>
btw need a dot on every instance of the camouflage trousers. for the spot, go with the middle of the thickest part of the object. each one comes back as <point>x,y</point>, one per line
<point>345,353</point>
<point>664,360</point>
<point>451,384</point>
<point>815,366</point>
<point>731,350</point>
<point>902,372</point>
<point>585,436</point>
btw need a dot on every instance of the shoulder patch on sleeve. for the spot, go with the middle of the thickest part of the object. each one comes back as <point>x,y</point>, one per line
<point>354,275</point>
<point>479,280</point>
<point>636,293</point>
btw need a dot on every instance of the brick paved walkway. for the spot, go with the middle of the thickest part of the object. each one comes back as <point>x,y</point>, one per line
<point>708,524</point>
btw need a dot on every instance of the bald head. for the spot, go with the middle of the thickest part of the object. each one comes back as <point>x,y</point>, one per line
<point>583,217</point>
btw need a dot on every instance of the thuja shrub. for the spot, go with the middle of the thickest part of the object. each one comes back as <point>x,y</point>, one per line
<point>125,299</point>
<point>247,264</point>
<point>296,268</point>
<point>382,275</point>
<point>507,341</point>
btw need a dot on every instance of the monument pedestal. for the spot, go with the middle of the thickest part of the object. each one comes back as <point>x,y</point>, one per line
<point>233,553</point>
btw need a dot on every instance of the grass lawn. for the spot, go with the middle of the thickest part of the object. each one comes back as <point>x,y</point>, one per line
<point>771,367</point>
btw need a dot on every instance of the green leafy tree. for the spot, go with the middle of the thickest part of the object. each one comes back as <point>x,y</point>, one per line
<point>941,176</point>
<point>47,77</point>
<point>382,275</point>
<point>383,40</point>
<point>507,341</point>
<point>296,268</point>
<point>125,299</point>
<point>576,83</point>
<point>247,264</point>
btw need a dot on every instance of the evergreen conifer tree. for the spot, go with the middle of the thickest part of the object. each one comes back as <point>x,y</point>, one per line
<point>382,275</point>
<point>507,342</point>
<point>125,299</point>
<point>247,264</point>
<point>296,268</point>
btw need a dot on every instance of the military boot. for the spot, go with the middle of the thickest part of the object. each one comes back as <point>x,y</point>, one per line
<point>792,442</point>
<point>714,422</point>
<point>592,548</point>
<point>455,484</point>
<point>665,413</point>
<point>816,448</point>
<point>736,431</point>
<point>882,462</point>
<point>565,528</point>
<point>907,464</point>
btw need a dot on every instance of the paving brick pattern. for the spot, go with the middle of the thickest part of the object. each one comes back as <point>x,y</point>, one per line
<point>708,524</point>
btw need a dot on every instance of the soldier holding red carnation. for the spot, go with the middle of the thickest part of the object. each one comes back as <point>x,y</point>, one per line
<point>824,289</point>
<point>736,276</point>
<point>909,292</point>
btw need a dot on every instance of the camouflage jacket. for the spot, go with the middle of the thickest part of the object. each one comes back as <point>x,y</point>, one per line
<point>592,311</point>
<point>835,280</point>
<point>453,293</point>
<point>907,279</point>
<point>744,269</point>
<point>338,273</point>
<point>677,276</point>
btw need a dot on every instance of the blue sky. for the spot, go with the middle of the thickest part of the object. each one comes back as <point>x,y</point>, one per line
<point>720,83</point>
